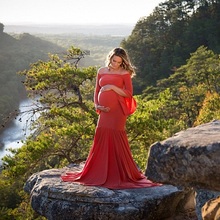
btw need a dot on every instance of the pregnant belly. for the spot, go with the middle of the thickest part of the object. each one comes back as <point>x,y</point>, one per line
<point>108,99</point>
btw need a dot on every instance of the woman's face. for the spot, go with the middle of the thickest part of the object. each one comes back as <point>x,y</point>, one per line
<point>116,62</point>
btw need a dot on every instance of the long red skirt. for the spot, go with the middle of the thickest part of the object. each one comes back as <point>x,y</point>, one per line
<point>110,163</point>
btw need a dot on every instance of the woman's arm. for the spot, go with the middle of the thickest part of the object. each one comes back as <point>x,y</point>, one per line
<point>96,92</point>
<point>114,88</point>
<point>127,91</point>
<point>97,89</point>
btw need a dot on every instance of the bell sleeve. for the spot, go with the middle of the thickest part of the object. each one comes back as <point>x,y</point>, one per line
<point>128,104</point>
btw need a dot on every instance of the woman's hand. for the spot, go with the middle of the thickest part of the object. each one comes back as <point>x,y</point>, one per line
<point>102,108</point>
<point>107,88</point>
<point>115,89</point>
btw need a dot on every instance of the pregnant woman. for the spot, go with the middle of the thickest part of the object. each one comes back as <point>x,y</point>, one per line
<point>110,163</point>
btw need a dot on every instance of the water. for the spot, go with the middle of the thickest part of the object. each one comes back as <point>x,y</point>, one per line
<point>17,130</point>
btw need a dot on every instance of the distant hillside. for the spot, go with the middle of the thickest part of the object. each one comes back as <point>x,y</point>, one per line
<point>16,54</point>
<point>107,29</point>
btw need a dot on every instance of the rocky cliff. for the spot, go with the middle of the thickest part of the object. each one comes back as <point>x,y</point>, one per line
<point>187,164</point>
<point>190,158</point>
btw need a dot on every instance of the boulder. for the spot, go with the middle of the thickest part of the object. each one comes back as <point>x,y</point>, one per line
<point>56,200</point>
<point>190,158</point>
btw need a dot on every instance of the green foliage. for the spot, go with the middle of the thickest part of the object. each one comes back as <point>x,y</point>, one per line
<point>1,28</point>
<point>210,109</point>
<point>189,86</point>
<point>149,124</point>
<point>8,197</point>
<point>67,119</point>
<point>9,193</point>
<point>24,211</point>
<point>162,42</point>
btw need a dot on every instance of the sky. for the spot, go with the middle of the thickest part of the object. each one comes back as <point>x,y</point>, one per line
<point>75,11</point>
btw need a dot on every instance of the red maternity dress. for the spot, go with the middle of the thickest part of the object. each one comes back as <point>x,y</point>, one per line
<point>110,163</point>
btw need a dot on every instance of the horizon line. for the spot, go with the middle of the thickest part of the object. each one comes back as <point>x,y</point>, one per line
<point>64,24</point>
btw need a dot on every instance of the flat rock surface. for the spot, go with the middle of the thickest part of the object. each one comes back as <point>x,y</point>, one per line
<point>57,200</point>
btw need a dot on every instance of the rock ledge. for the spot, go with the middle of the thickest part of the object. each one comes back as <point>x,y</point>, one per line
<point>56,200</point>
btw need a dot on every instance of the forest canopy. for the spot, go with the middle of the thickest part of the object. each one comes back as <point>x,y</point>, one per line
<point>163,41</point>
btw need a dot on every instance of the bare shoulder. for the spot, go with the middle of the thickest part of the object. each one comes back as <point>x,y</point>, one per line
<point>102,70</point>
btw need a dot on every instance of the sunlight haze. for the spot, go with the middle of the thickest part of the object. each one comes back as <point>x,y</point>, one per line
<point>75,12</point>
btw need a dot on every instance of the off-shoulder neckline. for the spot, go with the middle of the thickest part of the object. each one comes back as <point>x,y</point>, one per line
<point>105,70</point>
<point>119,74</point>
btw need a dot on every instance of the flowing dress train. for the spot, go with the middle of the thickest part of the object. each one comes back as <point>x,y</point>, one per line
<point>110,163</point>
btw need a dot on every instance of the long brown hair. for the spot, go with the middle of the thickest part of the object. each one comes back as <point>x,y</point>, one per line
<point>126,63</point>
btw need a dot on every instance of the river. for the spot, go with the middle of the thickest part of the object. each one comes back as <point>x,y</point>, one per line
<point>16,131</point>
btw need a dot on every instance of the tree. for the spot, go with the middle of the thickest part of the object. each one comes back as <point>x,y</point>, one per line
<point>63,131</point>
<point>210,109</point>
<point>163,41</point>
<point>1,28</point>
<point>151,122</point>
<point>189,86</point>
